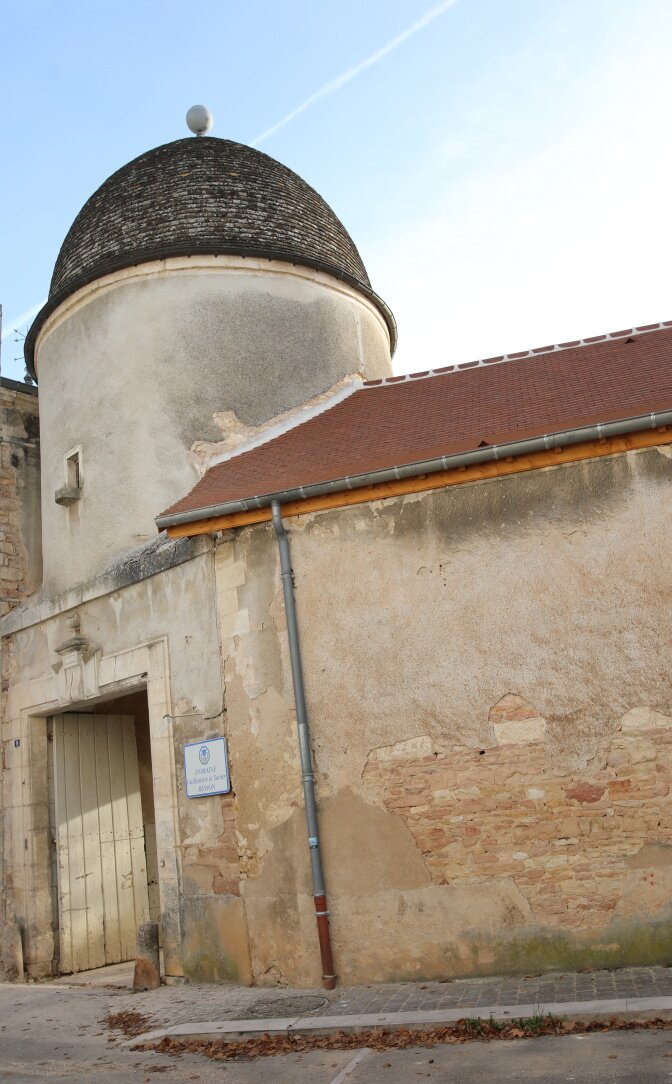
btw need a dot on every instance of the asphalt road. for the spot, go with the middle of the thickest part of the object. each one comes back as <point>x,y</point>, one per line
<point>56,1036</point>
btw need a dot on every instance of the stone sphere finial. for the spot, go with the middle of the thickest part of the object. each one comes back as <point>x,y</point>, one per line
<point>199,119</point>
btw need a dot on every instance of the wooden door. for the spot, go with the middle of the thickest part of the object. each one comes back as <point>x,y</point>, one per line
<point>102,870</point>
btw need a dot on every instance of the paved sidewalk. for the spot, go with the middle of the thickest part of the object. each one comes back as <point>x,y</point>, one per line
<point>181,1004</point>
<point>626,991</point>
<point>518,990</point>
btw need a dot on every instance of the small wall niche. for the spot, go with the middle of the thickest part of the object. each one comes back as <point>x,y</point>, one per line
<point>72,490</point>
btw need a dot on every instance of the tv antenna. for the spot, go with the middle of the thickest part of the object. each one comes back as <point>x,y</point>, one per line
<point>20,337</point>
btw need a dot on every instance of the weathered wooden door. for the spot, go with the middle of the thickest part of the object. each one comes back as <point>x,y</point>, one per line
<point>102,870</point>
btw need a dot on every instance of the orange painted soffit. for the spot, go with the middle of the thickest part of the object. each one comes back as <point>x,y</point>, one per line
<point>593,449</point>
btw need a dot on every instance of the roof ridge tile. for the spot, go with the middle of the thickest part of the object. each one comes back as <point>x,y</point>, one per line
<point>518,355</point>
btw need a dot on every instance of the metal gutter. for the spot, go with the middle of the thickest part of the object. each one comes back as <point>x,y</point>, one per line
<point>305,752</point>
<point>488,454</point>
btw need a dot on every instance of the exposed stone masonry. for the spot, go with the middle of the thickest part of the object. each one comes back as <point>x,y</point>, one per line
<point>19,473</point>
<point>20,567</point>
<point>583,849</point>
<point>213,867</point>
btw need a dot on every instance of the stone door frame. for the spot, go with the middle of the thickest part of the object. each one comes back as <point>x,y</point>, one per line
<point>80,680</point>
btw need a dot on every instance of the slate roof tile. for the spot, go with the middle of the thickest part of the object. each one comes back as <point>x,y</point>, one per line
<point>202,196</point>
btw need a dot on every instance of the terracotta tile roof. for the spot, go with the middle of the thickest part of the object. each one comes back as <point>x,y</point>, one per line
<point>408,419</point>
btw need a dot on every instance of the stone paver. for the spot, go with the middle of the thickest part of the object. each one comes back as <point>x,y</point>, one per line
<point>195,1002</point>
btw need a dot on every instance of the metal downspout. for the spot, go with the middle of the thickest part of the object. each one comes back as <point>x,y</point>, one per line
<point>307,774</point>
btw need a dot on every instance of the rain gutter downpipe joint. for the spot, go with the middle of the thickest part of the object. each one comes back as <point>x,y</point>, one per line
<point>303,730</point>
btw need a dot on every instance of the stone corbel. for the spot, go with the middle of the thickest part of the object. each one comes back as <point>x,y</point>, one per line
<point>67,495</point>
<point>77,676</point>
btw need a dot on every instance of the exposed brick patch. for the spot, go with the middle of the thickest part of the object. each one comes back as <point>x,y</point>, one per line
<point>567,841</point>
<point>514,721</point>
<point>512,708</point>
<point>586,792</point>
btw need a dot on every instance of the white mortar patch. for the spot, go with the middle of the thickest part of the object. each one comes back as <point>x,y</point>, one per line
<point>643,718</point>
<point>519,731</point>
<point>422,746</point>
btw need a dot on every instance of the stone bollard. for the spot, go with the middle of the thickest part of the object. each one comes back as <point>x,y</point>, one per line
<point>147,972</point>
<point>12,951</point>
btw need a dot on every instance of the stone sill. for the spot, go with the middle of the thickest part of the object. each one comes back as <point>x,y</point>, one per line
<point>68,495</point>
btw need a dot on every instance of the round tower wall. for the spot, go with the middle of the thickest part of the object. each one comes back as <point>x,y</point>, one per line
<point>133,368</point>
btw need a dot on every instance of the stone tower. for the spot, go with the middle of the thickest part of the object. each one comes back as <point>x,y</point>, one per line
<point>202,277</point>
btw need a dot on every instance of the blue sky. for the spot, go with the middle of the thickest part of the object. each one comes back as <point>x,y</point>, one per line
<point>504,167</point>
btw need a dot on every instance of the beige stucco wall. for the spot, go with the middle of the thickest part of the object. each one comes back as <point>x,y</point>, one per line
<point>133,368</point>
<point>159,636</point>
<point>491,702</point>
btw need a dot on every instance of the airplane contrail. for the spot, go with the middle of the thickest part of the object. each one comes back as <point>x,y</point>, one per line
<point>23,318</point>
<point>340,80</point>
<point>324,91</point>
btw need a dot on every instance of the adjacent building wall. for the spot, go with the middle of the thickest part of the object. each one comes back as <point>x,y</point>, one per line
<point>20,531</point>
<point>20,527</point>
<point>491,701</point>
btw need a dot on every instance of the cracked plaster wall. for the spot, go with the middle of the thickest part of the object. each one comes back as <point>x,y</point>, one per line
<point>483,652</point>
